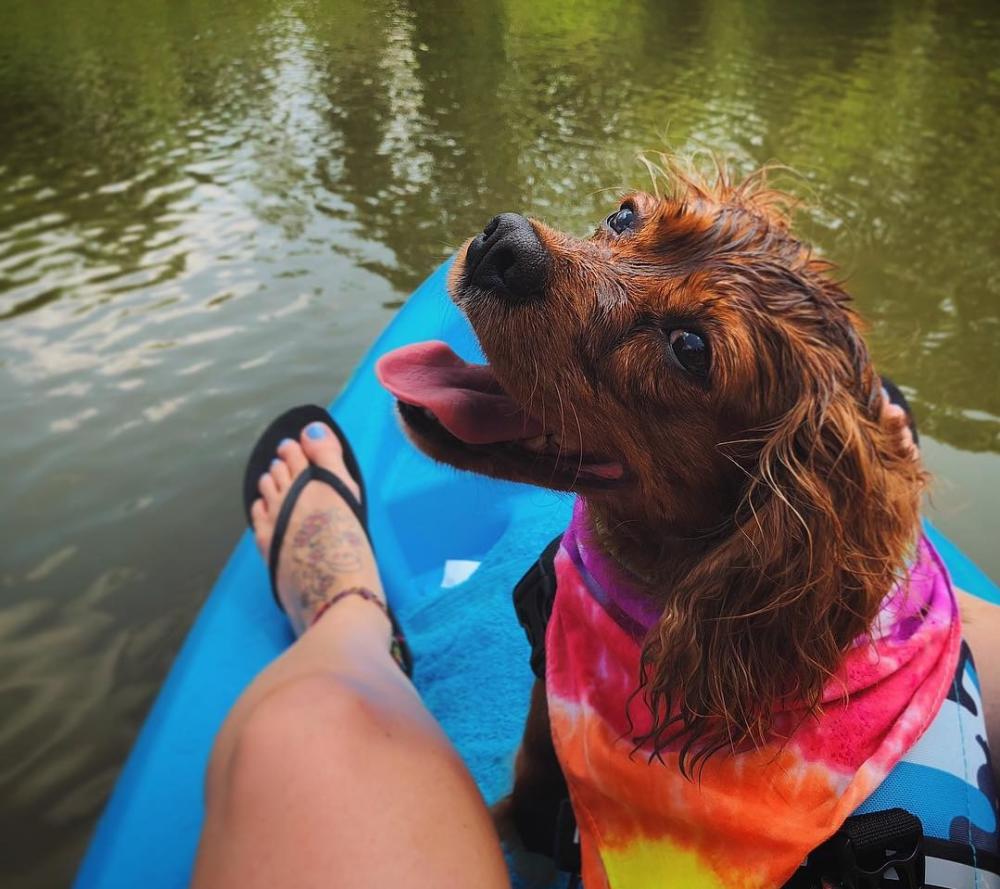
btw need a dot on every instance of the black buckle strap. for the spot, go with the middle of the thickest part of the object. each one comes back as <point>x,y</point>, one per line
<point>867,847</point>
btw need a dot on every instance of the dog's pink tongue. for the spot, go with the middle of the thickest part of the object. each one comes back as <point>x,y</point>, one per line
<point>466,398</point>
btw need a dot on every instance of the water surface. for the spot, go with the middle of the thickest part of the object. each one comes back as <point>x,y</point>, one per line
<point>208,210</point>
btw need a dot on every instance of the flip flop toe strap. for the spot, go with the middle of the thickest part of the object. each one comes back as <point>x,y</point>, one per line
<point>312,473</point>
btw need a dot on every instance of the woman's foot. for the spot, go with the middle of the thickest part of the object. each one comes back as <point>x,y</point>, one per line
<point>325,550</point>
<point>894,419</point>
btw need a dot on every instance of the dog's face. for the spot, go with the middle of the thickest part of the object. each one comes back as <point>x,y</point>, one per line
<point>694,371</point>
<point>644,366</point>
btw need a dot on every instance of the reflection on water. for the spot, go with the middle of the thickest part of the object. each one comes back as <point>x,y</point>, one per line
<point>208,209</point>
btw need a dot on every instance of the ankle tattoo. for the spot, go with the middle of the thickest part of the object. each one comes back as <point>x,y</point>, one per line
<point>326,546</point>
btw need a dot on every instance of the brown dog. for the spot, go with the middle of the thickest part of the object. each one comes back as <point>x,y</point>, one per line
<point>696,374</point>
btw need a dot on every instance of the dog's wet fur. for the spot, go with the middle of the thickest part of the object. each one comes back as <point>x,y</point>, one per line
<point>759,500</point>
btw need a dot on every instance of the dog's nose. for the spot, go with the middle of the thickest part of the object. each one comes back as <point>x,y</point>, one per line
<point>508,258</point>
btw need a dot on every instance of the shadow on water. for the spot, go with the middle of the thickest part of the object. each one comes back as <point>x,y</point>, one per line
<point>208,209</point>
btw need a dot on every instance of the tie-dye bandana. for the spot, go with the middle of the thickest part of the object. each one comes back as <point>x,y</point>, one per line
<point>750,819</point>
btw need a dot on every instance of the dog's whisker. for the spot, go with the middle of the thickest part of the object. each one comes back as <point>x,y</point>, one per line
<point>579,433</point>
<point>562,431</point>
<point>534,388</point>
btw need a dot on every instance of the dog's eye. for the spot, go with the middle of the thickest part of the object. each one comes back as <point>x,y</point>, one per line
<point>622,220</point>
<point>689,351</point>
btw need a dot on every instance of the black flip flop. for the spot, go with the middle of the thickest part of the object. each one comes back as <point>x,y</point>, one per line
<point>290,425</point>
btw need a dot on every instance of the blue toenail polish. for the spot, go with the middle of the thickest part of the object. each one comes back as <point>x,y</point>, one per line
<point>316,431</point>
<point>275,462</point>
<point>283,442</point>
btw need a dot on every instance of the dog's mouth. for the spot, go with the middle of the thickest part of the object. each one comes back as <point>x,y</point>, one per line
<point>460,411</point>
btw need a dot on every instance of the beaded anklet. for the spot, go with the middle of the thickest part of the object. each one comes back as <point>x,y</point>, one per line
<point>396,646</point>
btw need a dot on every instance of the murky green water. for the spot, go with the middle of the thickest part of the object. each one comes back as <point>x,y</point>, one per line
<point>208,209</point>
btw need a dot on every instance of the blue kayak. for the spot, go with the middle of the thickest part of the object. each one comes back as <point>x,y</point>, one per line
<point>432,526</point>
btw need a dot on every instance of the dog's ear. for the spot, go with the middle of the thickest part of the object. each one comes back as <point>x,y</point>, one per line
<point>830,516</point>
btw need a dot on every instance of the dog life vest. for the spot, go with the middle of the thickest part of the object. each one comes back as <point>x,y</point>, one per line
<point>910,735</point>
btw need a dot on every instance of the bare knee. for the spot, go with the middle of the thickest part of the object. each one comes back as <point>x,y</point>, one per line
<point>316,766</point>
<point>310,721</point>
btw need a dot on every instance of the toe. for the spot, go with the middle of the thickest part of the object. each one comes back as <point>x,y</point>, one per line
<point>280,473</point>
<point>897,424</point>
<point>269,491</point>
<point>908,443</point>
<point>893,418</point>
<point>291,453</point>
<point>258,514</point>
<point>261,524</point>
<point>323,448</point>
